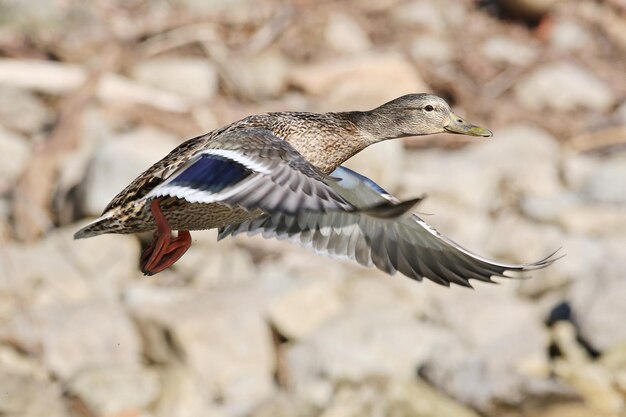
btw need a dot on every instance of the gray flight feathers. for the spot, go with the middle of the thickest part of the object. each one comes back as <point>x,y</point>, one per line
<point>403,243</point>
<point>276,179</point>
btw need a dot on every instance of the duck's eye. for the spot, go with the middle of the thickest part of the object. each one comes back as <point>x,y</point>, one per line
<point>428,107</point>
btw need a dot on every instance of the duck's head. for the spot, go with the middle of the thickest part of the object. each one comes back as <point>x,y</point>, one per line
<point>423,114</point>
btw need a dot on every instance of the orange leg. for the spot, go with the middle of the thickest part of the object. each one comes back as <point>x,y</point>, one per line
<point>164,250</point>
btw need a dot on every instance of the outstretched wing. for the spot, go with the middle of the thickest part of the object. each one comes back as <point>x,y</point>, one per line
<point>253,169</point>
<point>406,243</point>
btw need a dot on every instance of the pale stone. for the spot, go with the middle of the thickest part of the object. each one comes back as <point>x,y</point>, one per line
<point>58,270</point>
<point>392,397</point>
<point>513,238</point>
<point>508,51</point>
<point>18,364</point>
<point>76,336</point>
<point>606,183</point>
<point>498,333</point>
<point>432,48</point>
<point>193,78</point>
<point>564,87</point>
<point>575,214</point>
<point>422,14</point>
<point>223,338</point>
<point>593,382</point>
<point>298,311</point>
<point>365,342</point>
<point>213,6</point>
<point>522,158</point>
<point>113,389</point>
<point>599,309</point>
<point>261,76</point>
<point>25,397</point>
<point>569,36</point>
<point>21,110</point>
<point>183,395</point>
<point>361,80</point>
<point>344,34</point>
<point>14,154</point>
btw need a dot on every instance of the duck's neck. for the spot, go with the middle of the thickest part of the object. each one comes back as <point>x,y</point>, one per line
<point>375,126</point>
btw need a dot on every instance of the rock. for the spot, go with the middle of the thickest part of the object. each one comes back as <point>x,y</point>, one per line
<point>261,76</point>
<point>566,409</point>
<point>578,168</point>
<point>428,172</point>
<point>344,34</point>
<point>563,86</point>
<point>431,48</point>
<point>584,258</point>
<point>370,288</point>
<point>495,354</point>
<point>58,270</point>
<point>21,110</point>
<point>193,78</point>
<point>391,397</point>
<point>229,347</point>
<point>531,169</point>
<point>14,154</point>
<point>568,36</point>
<point>70,340</point>
<point>120,160</point>
<point>26,397</point>
<point>606,183</point>
<point>368,342</point>
<point>615,361</point>
<point>213,6</point>
<point>598,308</point>
<point>596,178</point>
<point>113,389</point>
<point>18,364</point>
<point>38,13</point>
<point>358,82</point>
<point>58,78</point>
<point>593,382</point>
<point>575,215</point>
<point>283,405</point>
<point>504,50</point>
<point>297,312</point>
<point>183,395</point>
<point>513,238</point>
<point>422,14</point>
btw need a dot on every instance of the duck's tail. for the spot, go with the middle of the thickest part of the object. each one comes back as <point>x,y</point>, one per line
<point>104,224</point>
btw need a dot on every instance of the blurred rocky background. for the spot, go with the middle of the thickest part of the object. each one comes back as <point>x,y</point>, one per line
<point>92,93</point>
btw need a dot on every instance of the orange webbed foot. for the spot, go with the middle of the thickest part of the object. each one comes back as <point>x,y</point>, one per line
<point>164,250</point>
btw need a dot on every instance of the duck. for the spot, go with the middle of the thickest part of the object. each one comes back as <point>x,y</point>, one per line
<point>280,175</point>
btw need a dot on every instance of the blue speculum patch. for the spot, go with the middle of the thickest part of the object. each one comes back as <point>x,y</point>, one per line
<point>212,173</point>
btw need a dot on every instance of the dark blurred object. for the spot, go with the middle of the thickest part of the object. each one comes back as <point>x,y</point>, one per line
<point>563,312</point>
<point>528,10</point>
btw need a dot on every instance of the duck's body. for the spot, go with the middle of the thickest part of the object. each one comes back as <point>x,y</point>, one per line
<point>280,174</point>
<point>324,140</point>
